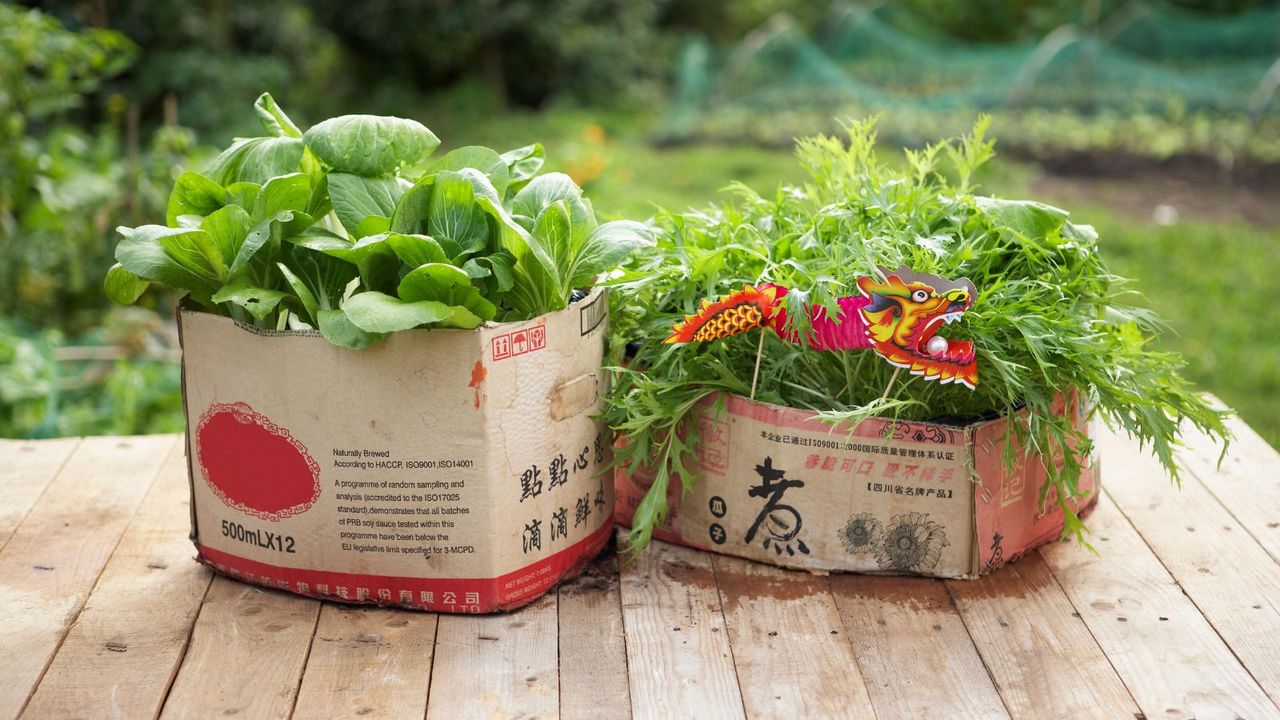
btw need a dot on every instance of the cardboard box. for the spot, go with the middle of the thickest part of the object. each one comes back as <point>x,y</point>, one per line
<point>894,497</point>
<point>446,470</point>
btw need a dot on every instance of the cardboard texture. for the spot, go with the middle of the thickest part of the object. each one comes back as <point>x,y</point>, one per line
<point>894,497</point>
<point>446,470</point>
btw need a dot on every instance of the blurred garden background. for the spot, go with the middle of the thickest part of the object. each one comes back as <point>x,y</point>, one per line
<point>1157,121</point>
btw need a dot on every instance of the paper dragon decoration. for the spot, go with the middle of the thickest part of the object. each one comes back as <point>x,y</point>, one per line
<point>899,319</point>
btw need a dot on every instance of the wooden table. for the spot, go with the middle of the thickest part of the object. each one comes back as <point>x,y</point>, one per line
<point>103,613</point>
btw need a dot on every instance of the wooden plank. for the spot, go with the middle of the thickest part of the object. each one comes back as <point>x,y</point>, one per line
<point>789,646</point>
<point>593,651</point>
<point>1229,576</point>
<point>1247,483</point>
<point>368,663</point>
<point>26,469</point>
<point>677,647</point>
<point>496,666</point>
<point>124,649</point>
<point>54,557</point>
<point>914,650</point>
<point>1039,653</point>
<point>1167,654</point>
<point>247,653</point>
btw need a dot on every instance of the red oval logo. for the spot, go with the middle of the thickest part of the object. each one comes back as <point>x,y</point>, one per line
<point>254,465</point>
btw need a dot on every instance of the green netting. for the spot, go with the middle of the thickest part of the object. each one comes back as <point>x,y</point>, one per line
<point>1145,79</point>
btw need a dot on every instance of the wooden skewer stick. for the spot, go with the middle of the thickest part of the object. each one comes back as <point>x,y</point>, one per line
<point>755,376</point>
<point>889,387</point>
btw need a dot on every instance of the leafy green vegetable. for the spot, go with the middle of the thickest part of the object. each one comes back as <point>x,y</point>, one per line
<point>194,194</point>
<point>1049,319</point>
<point>256,160</point>
<point>376,312</point>
<point>370,145</point>
<point>322,229</point>
<point>356,198</point>
<point>123,286</point>
<point>522,164</point>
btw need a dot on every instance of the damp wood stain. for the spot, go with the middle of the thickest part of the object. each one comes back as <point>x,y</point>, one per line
<point>741,587</point>
<point>478,374</point>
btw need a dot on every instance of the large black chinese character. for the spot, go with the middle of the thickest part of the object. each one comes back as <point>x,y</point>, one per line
<point>583,510</point>
<point>530,483</point>
<point>581,462</point>
<point>557,472</point>
<point>599,444</point>
<point>559,524</point>
<point>599,499</point>
<point>533,535</point>
<point>781,522</point>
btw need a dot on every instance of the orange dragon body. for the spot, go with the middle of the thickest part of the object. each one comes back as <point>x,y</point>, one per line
<point>738,312</point>
<point>898,318</point>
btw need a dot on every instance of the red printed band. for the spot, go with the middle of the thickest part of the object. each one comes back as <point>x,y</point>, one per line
<point>870,428</point>
<point>456,595</point>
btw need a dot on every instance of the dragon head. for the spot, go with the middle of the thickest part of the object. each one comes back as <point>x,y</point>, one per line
<point>904,314</point>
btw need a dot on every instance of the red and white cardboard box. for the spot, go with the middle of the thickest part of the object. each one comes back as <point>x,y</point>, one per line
<point>446,470</point>
<point>778,486</point>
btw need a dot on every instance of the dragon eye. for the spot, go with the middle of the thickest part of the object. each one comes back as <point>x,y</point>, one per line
<point>920,296</point>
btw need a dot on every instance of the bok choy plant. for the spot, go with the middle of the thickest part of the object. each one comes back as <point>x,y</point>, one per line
<point>351,229</point>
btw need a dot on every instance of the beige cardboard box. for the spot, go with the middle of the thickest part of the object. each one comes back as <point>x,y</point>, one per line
<point>447,470</point>
<point>922,498</point>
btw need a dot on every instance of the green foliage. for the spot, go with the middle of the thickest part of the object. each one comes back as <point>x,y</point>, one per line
<point>526,52</point>
<point>321,229</point>
<point>120,379</point>
<point>62,187</point>
<point>1050,317</point>
<point>200,63</point>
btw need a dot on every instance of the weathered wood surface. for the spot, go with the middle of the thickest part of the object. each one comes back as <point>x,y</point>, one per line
<point>103,613</point>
